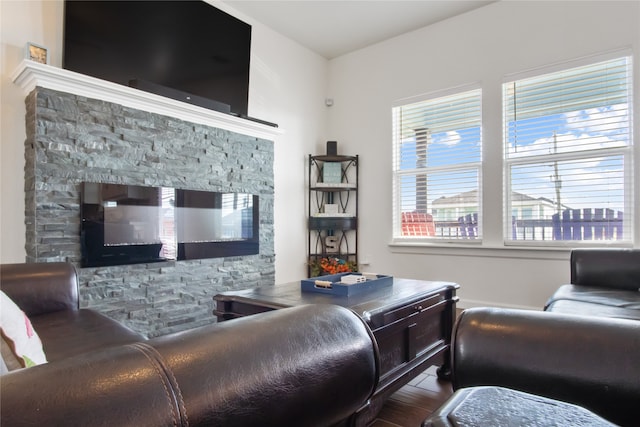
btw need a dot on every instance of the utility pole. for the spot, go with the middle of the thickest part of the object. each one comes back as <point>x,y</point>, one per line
<point>556,177</point>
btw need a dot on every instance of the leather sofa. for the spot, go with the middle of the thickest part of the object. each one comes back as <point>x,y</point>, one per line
<point>48,294</point>
<point>306,366</point>
<point>574,364</point>
<point>604,283</point>
<point>587,361</point>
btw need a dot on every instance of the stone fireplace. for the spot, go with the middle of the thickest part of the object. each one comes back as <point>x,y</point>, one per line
<point>81,129</point>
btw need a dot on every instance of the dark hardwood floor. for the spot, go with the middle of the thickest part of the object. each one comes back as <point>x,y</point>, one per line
<point>413,403</point>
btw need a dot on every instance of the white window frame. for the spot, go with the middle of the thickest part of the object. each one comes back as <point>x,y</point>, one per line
<point>397,173</point>
<point>627,152</point>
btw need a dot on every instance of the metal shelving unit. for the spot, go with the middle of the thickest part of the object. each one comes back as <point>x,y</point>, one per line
<point>333,210</point>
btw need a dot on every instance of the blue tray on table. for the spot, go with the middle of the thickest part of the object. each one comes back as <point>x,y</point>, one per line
<point>343,289</point>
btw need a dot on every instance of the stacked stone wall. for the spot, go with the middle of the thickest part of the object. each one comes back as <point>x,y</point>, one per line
<point>73,139</point>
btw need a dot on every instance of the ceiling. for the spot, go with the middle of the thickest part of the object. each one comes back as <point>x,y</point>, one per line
<point>332,28</point>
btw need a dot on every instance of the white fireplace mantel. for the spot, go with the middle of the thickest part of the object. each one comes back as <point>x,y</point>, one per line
<point>31,74</point>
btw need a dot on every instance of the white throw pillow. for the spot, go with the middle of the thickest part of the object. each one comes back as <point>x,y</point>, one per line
<point>19,334</point>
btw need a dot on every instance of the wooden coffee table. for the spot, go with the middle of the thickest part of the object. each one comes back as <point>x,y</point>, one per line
<point>411,321</point>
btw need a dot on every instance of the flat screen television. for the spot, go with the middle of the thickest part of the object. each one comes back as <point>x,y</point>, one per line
<point>129,224</point>
<point>186,50</point>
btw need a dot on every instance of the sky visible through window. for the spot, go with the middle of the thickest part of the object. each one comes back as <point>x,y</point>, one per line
<point>455,147</point>
<point>590,129</point>
<point>580,131</point>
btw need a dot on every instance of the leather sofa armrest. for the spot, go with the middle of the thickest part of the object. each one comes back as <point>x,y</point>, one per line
<point>591,362</point>
<point>606,267</point>
<point>39,288</point>
<point>311,365</point>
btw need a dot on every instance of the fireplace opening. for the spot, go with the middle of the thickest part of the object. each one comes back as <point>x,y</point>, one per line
<point>129,224</point>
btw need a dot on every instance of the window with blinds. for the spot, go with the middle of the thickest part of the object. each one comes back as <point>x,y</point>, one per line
<point>437,148</point>
<point>567,150</point>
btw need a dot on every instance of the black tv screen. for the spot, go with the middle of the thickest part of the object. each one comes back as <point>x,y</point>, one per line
<point>188,50</point>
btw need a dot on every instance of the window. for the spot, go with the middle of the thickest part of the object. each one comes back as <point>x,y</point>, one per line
<point>437,167</point>
<point>567,150</point>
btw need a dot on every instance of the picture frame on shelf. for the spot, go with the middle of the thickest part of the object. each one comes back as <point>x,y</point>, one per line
<point>37,53</point>
<point>332,173</point>
<point>330,208</point>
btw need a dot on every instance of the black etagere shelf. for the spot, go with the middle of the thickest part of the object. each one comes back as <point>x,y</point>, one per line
<point>333,213</point>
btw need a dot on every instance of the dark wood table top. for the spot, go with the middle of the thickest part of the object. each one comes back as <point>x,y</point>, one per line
<point>367,304</point>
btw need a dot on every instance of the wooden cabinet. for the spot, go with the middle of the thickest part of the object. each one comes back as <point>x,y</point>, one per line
<point>333,213</point>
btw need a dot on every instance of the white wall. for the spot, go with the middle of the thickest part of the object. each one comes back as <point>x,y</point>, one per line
<point>287,86</point>
<point>20,22</point>
<point>481,46</point>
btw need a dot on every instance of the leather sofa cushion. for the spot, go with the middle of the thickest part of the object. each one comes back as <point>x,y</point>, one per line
<point>595,295</point>
<point>591,309</point>
<point>595,301</point>
<point>67,333</point>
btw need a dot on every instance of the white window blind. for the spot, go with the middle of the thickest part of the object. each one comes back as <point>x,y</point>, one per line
<point>436,167</point>
<point>567,144</point>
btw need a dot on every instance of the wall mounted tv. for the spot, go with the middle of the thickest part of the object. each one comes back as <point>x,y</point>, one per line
<point>186,50</point>
<point>128,224</point>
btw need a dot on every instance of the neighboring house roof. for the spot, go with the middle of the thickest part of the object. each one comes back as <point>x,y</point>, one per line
<point>467,197</point>
<point>470,197</point>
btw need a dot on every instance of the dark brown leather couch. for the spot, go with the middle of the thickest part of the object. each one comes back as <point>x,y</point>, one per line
<point>305,366</point>
<point>48,294</point>
<point>578,363</point>
<point>588,361</point>
<point>604,283</point>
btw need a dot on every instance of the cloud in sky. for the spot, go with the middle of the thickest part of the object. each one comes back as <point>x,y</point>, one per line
<point>589,129</point>
<point>605,120</point>
<point>450,138</point>
<point>565,143</point>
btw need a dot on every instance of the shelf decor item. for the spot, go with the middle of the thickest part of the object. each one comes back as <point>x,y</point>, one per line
<point>331,265</point>
<point>332,148</point>
<point>332,173</point>
<point>331,208</point>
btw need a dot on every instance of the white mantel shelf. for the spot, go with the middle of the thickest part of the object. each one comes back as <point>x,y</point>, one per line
<point>30,75</point>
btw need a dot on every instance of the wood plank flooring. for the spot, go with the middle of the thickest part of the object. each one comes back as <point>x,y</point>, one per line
<point>413,403</point>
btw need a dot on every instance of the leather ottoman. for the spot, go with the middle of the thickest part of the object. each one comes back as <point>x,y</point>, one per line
<point>498,406</point>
